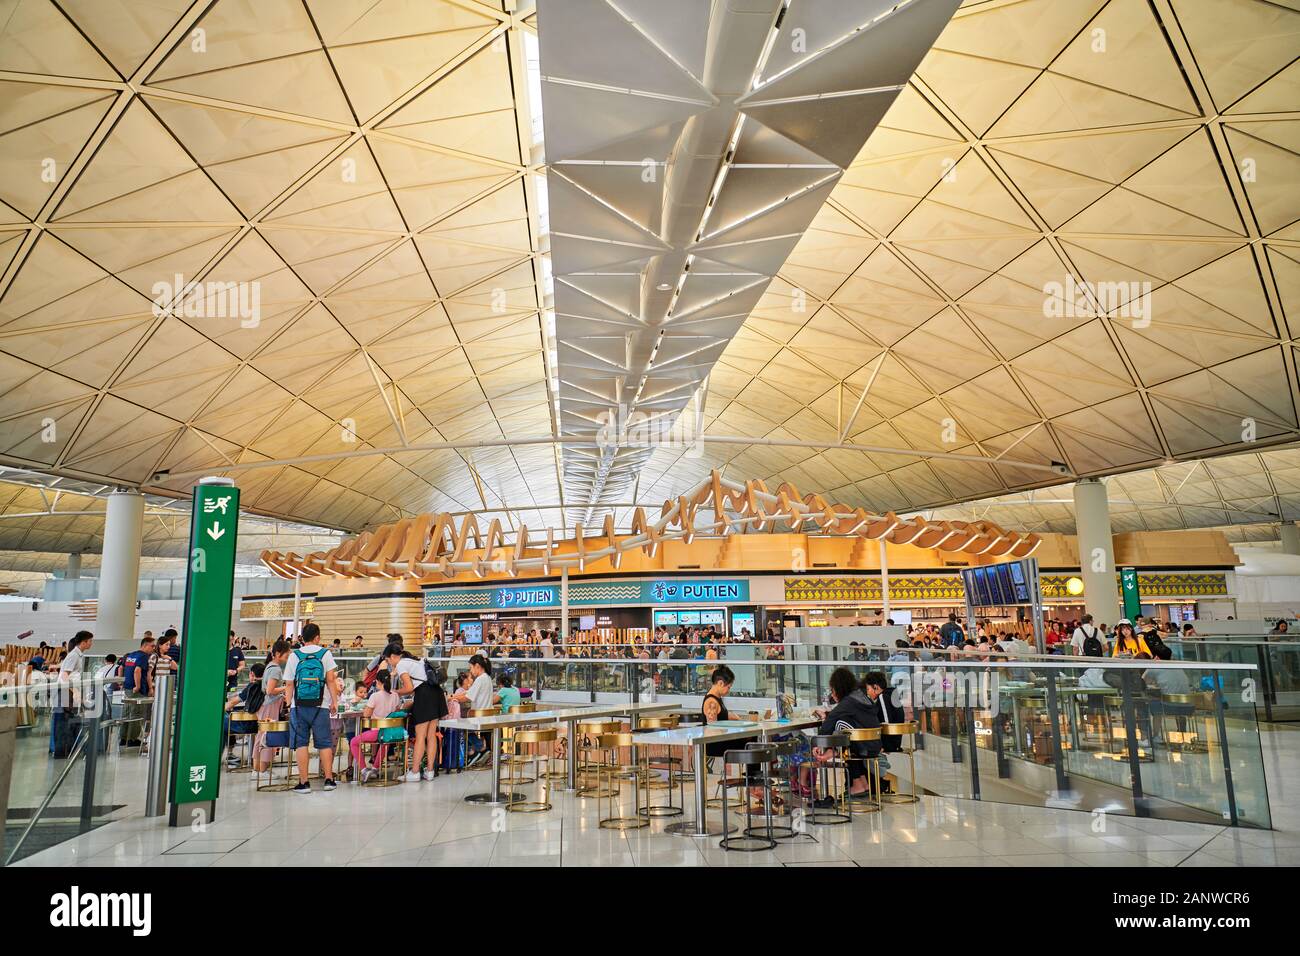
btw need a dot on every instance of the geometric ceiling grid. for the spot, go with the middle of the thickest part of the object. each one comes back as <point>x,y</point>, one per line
<point>1040,149</point>
<point>364,166</point>
<point>901,255</point>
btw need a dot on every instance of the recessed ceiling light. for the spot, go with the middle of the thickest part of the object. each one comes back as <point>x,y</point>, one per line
<point>664,287</point>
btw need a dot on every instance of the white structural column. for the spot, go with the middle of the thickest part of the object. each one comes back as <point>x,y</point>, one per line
<point>119,572</point>
<point>1290,538</point>
<point>564,605</point>
<point>297,604</point>
<point>74,567</point>
<point>1096,552</point>
<point>884,583</point>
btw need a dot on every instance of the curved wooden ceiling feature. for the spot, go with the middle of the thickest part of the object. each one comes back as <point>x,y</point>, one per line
<point>436,544</point>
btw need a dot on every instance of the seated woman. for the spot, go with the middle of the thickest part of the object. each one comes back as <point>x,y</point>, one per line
<point>272,700</point>
<point>1128,643</point>
<point>853,710</point>
<point>382,702</point>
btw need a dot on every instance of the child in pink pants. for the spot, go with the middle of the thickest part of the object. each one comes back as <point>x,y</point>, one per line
<point>380,704</point>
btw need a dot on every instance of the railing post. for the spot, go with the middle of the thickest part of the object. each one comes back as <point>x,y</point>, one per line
<point>89,727</point>
<point>1266,678</point>
<point>1130,738</point>
<point>160,745</point>
<point>973,739</point>
<point>1217,686</point>
<point>1054,715</point>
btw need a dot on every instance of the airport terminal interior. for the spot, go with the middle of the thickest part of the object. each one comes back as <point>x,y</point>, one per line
<point>709,433</point>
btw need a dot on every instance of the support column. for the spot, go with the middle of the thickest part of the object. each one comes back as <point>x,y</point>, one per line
<point>119,571</point>
<point>297,604</point>
<point>564,606</point>
<point>884,583</point>
<point>74,567</point>
<point>1290,538</point>
<point>1096,551</point>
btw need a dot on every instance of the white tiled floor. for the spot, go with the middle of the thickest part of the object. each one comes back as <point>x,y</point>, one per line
<point>430,824</point>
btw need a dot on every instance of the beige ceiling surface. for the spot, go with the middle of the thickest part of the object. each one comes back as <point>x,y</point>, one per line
<point>367,164</point>
<point>1119,141</point>
<point>1247,495</point>
<point>361,161</point>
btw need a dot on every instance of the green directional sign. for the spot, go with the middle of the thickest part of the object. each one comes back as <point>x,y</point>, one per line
<point>205,635</point>
<point>1128,583</point>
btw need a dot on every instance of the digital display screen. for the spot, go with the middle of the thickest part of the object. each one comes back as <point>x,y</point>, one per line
<point>586,622</point>
<point>471,632</point>
<point>743,620</point>
<point>716,618</point>
<point>1019,583</point>
<point>689,618</point>
<point>997,585</point>
<point>665,618</point>
<point>1002,579</point>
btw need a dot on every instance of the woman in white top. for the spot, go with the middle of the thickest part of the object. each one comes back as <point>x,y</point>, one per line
<point>477,697</point>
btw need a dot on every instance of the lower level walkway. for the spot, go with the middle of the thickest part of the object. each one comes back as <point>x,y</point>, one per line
<point>428,824</point>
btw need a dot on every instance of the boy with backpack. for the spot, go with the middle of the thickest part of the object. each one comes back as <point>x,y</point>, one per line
<point>312,688</point>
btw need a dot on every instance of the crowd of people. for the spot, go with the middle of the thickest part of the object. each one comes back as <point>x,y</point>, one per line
<point>663,643</point>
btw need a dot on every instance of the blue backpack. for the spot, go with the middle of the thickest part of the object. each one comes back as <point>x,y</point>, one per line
<point>309,679</point>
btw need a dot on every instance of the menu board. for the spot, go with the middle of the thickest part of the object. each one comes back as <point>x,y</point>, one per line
<point>742,621</point>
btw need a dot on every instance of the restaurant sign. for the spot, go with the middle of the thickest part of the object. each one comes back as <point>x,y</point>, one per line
<point>589,594</point>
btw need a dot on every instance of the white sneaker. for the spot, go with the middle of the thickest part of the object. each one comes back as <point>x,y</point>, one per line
<point>368,774</point>
<point>412,776</point>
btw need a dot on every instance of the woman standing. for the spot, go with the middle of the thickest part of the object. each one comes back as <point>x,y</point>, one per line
<point>410,678</point>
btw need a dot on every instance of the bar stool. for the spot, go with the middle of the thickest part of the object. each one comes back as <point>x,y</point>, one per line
<point>831,816</point>
<point>242,728</point>
<point>648,765</point>
<point>749,840</point>
<point>781,750</point>
<point>277,738</point>
<point>609,783</point>
<point>665,760</point>
<point>592,731</point>
<point>1118,735</point>
<point>687,773</point>
<point>484,712</point>
<point>907,728</point>
<point>1182,707</point>
<point>507,734</point>
<point>535,737</point>
<point>871,765</point>
<point>392,731</point>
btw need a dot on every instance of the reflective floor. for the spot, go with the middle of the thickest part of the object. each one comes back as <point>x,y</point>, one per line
<point>429,824</point>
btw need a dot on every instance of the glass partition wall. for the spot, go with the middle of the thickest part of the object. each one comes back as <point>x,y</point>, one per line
<point>1177,741</point>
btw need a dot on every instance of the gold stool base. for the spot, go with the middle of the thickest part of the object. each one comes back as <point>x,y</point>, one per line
<point>624,823</point>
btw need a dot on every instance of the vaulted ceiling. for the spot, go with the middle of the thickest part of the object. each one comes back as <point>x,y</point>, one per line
<point>371,169</point>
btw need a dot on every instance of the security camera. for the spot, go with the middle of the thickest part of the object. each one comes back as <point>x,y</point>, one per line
<point>159,476</point>
<point>1060,467</point>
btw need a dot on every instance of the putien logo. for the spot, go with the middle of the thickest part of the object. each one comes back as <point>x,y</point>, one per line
<point>209,300</point>
<point>75,909</point>
<point>1073,299</point>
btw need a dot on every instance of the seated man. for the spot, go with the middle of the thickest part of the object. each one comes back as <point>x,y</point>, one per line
<point>853,710</point>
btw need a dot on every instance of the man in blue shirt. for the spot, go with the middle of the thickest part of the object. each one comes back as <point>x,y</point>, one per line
<point>234,663</point>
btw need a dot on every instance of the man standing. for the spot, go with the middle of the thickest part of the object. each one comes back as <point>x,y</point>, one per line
<point>234,663</point>
<point>1086,639</point>
<point>951,634</point>
<point>311,678</point>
